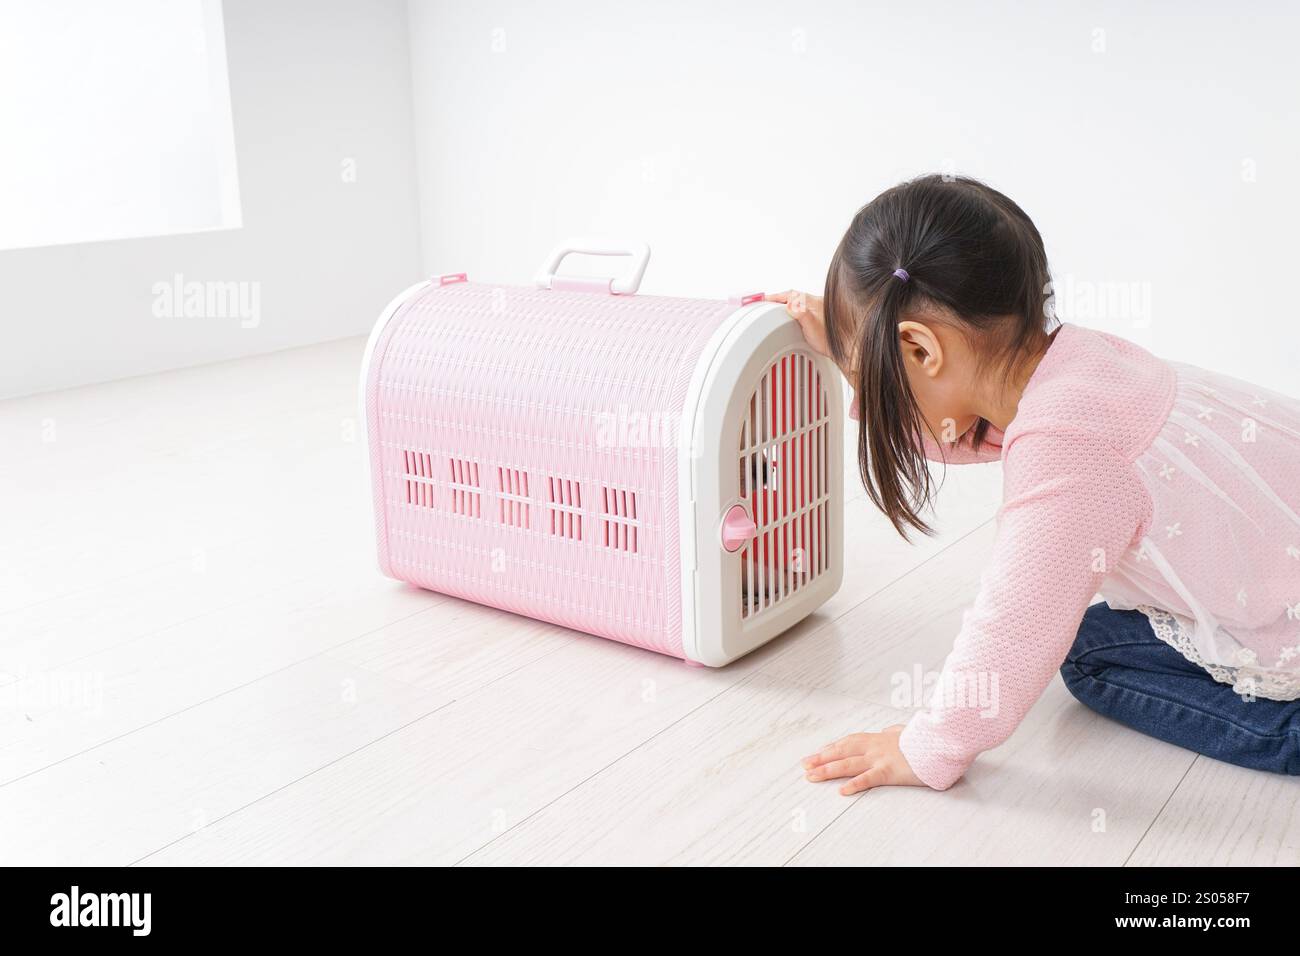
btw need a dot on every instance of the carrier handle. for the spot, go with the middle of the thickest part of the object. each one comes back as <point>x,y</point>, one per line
<point>627,284</point>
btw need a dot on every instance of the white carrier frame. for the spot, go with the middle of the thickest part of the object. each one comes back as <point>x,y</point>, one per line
<point>714,628</point>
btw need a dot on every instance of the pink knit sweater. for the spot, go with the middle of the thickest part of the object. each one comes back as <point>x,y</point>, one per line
<point>1166,488</point>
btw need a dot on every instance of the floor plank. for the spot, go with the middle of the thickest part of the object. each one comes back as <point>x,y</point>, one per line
<point>440,788</point>
<point>101,482</point>
<point>1222,815</point>
<point>150,788</point>
<point>133,684</point>
<point>1069,788</point>
<point>721,787</point>
<point>875,651</point>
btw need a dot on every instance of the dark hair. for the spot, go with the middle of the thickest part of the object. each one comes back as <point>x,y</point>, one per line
<point>964,248</point>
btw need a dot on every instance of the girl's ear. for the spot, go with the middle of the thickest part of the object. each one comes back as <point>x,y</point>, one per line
<point>920,348</point>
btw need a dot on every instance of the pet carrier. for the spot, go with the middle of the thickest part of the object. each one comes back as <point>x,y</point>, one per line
<point>666,472</point>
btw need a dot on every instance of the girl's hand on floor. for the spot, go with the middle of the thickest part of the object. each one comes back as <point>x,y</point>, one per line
<point>807,311</point>
<point>872,760</point>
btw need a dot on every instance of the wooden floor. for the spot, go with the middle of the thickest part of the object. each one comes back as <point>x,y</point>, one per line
<point>199,663</point>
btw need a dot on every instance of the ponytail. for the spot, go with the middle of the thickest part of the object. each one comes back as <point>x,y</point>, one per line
<point>891,457</point>
<point>947,245</point>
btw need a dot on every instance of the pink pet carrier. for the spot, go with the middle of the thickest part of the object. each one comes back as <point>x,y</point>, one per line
<point>665,472</point>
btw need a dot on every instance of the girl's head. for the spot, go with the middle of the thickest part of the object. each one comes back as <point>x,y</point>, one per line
<point>934,299</point>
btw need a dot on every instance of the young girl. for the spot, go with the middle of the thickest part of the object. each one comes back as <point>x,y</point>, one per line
<point>1173,491</point>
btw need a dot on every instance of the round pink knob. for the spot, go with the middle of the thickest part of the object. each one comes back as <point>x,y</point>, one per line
<point>737,527</point>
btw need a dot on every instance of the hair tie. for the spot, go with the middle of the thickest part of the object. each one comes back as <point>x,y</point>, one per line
<point>902,274</point>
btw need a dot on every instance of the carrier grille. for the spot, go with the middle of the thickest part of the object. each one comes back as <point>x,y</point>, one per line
<point>418,468</point>
<point>465,490</point>
<point>620,526</point>
<point>564,503</point>
<point>784,455</point>
<point>514,506</point>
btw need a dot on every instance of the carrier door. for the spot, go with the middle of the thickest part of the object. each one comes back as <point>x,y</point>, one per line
<point>766,467</point>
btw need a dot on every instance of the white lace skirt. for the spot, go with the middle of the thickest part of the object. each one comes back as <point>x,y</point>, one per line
<point>1246,677</point>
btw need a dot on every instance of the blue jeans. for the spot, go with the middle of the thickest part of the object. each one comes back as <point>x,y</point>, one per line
<point>1119,668</point>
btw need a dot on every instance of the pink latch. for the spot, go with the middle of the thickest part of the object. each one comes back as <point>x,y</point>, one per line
<point>737,528</point>
<point>748,299</point>
<point>451,277</point>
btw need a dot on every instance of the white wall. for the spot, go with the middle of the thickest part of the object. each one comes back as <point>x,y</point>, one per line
<point>318,88</point>
<point>738,138</point>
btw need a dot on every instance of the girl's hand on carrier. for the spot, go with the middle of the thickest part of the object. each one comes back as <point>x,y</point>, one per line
<point>872,760</point>
<point>807,310</point>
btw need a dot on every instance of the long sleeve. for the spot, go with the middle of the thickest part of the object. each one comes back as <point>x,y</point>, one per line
<point>1072,505</point>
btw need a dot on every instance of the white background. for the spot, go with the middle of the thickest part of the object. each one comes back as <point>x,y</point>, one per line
<point>739,138</point>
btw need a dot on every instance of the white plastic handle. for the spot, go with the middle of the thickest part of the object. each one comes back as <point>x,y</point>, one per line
<point>626,284</point>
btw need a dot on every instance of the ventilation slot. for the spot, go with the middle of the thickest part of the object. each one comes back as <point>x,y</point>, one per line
<point>620,526</point>
<point>784,455</point>
<point>513,503</point>
<point>418,474</point>
<point>464,488</point>
<point>564,503</point>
